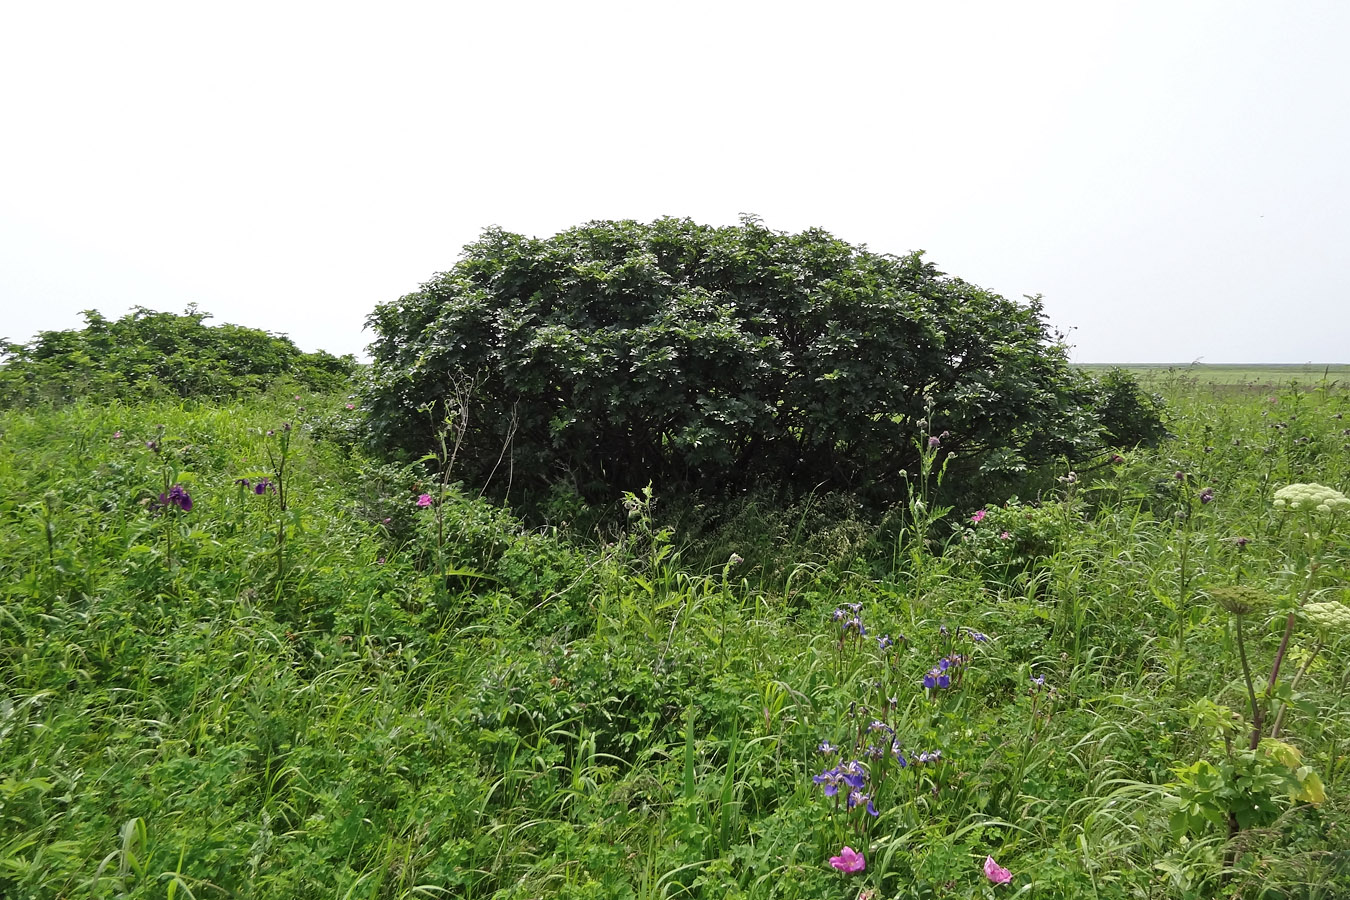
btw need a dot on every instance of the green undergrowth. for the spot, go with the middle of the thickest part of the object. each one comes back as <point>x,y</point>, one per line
<point>324,676</point>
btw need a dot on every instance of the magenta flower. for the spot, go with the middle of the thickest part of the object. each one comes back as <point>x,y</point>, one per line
<point>1005,536</point>
<point>424,500</point>
<point>978,517</point>
<point>994,872</point>
<point>849,861</point>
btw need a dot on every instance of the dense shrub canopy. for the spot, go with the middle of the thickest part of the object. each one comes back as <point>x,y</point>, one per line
<point>620,353</point>
<point>147,354</point>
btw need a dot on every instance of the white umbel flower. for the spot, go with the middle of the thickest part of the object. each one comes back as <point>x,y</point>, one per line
<point>1311,497</point>
<point>1329,614</point>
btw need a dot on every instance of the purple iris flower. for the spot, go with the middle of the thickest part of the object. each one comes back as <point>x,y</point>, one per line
<point>853,776</point>
<point>177,496</point>
<point>857,797</point>
<point>263,486</point>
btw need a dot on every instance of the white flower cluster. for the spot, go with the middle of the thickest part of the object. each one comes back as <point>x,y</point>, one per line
<point>1331,615</point>
<point>1311,497</point>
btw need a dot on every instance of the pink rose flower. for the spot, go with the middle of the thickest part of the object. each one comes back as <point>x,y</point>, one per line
<point>996,873</point>
<point>424,500</point>
<point>848,861</point>
<point>978,517</point>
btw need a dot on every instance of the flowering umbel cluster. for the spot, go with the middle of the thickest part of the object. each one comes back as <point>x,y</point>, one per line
<point>1311,497</point>
<point>1331,615</point>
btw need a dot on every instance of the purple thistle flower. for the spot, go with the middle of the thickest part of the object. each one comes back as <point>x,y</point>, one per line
<point>1207,495</point>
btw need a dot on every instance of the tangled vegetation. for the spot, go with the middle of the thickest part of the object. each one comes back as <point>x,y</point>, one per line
<point>240,659</point>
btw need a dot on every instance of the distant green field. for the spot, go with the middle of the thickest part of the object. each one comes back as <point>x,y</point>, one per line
<point>1306,374</point>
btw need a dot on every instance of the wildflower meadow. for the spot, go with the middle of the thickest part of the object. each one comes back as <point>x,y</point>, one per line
<point>242,657</point>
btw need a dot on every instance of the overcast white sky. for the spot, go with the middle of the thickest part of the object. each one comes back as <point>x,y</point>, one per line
<point>1171,176</point>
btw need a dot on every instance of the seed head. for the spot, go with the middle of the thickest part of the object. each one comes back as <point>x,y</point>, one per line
<point>1240,599</point>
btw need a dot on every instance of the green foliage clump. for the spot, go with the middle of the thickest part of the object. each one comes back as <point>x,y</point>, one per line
<point>620,354</point>
<point>1129,415</point>
<point>148,355</point>
<point>1017,537</point>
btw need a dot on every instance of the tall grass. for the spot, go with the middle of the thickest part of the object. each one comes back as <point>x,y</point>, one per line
<point>442,702</point>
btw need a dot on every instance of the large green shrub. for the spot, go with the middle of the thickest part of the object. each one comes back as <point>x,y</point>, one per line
<point>618,354</point>
<point>148,354</point>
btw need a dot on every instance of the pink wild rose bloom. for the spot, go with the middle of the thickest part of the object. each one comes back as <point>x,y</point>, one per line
<point>978,517</point>
<point>424,500</point>
<point>848,861</point>
<point>996,873</point>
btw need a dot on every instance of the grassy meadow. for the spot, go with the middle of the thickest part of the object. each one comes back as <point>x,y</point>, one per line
<point>1169,377</point>
<point>239,658</point>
